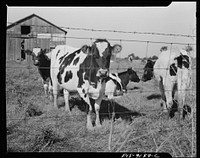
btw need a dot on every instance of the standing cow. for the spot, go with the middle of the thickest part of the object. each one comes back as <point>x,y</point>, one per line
<point>41,59</point>
<point>148,70</point>
<point>173,71</point>
<point>83,70</point>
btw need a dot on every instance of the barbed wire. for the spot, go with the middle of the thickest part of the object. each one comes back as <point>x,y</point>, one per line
<point>110,39</point>
<point>88,68</point>
<point>116,31</point>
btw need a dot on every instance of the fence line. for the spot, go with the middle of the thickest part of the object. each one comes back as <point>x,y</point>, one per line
<point>72,67</point>
<point>110,39</point>
<point>118,31</point>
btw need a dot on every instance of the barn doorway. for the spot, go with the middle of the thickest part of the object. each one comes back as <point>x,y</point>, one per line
<point>25,30</point>
<point>23,55</point>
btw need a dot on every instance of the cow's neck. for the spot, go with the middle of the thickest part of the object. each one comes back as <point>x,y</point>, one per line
<point>124,78</point>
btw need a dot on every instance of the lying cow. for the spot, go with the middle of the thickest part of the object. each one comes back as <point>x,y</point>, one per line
<point>173,71</point>
<point>119,81</point>
<point>41,59</point>
<point>83,70</point>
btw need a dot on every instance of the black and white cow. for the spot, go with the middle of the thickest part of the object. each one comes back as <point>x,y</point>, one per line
<point>126,76</point>
<point>41,59</point>
<point>83,70</point>
<point>117,82</point>
<point>130,58</point>
<point>173,71</point>
<point>148,70</point>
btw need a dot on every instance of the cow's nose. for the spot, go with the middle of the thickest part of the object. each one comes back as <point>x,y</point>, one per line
<point>142,79</point>
<point>36,62</point>
<point>102,72</point>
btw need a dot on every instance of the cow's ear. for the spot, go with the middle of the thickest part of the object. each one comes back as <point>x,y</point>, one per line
<point>178,58</point>
<point>85,49</point>
<point>179,61</point>
<point>28,52</point>
<point>129,70</point>
<point>116,49</point>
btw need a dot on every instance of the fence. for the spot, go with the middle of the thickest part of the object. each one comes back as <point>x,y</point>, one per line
<point>34,125</point>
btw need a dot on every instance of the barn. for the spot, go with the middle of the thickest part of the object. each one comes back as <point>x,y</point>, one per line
<point>31,32</point>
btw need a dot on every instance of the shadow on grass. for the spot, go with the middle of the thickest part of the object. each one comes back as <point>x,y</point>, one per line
<point>106,109</point>
<point>174,109</point>
<point>133,88</point>
<point>154,96</point>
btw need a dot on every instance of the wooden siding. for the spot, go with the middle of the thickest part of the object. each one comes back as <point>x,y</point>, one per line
<point>38,26</point>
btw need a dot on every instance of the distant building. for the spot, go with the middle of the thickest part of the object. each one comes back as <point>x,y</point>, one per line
<point>32,32</point>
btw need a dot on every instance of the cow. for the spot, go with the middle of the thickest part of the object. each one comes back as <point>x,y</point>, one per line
<point>41,59</point>
<point>83,70</point>
<point>119,81</point>
<point>126,76</point>
<point>148,70</point>
<point>130,58</point>
<point>173,72</point>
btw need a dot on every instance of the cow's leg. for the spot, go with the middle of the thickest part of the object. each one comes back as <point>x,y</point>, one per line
<point>168,93</point>
<point>163,101</point>
<point>45,85</point>
<point>169,101</point>
<point>89,112</point>
<point>181,102</point>
<point>66,97</point>
<point>97,108</point>
<point>98,102</point>
<point>50,91</point>
<point>89,120</point>
<point>55,94</point>
<point>84,95</point>
<point>182,86</point>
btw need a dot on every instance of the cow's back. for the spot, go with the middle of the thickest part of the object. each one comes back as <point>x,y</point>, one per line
<point>63,70</point>
<point>162,64</point>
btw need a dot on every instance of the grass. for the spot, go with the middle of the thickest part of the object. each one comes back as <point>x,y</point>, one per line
<point>34,125</point>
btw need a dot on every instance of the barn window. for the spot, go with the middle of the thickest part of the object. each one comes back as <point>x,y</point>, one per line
<point>25,30</point>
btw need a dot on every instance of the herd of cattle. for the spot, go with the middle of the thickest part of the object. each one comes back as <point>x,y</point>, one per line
<point>86,70</point>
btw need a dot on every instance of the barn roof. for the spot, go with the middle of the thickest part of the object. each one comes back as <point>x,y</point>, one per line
<point>31,16</point>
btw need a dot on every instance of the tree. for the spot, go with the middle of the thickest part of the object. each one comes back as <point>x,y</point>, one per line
<point>188,48</point>
<point>137,58</point>
<point>154,57</point>
<point>132,54</point>
<point>163,48</point>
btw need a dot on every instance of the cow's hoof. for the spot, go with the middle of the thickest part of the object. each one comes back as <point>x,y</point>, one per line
<point>98,125</point>
<point>165,111</point>
<point>90,127</point>
<point>50,98</point>
<point>68,112</point>
<point>165,115</point>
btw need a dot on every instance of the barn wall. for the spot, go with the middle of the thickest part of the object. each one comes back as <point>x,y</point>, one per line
<point>38,26</point>
<point>13,48</point>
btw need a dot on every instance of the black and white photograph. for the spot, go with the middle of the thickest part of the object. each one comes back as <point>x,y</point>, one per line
<point>114,79</point>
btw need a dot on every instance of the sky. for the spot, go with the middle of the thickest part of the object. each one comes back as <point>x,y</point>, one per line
<point>177,18</point>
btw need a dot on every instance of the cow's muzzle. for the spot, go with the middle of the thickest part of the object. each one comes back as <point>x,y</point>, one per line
<point>36,62</point>
<point>102,73</point>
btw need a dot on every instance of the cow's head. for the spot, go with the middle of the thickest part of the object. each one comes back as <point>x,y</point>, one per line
<point>183,60</point>
<point>99,55</point>
<point>133,75</point>
<point>148,71</point>
<point>38,55</point>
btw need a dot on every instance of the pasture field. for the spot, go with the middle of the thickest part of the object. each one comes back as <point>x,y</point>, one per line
<point>34,125</point>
